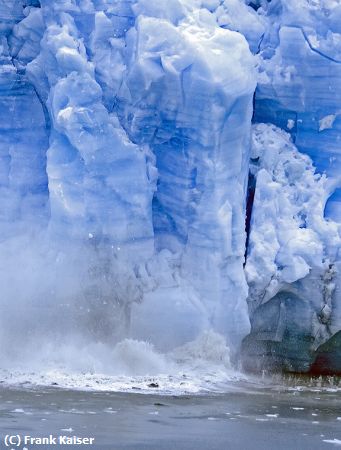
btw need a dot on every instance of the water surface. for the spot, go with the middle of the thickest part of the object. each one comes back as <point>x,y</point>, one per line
<point>247,417</point>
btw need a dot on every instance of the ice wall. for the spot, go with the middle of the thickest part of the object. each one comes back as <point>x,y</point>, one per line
<point>141,166</point>
<point>290,267</point>
<point>293,298</point>
<point>100,186</point>
<point>23,139</point>
<point>300,88</point>
<point>127,173</point>
<point>188,94</point>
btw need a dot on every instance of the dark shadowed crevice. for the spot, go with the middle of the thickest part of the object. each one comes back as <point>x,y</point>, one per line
<point>251,188</point>
<point>35,3</point>
<point>254,5</point>
<point>44,108</point>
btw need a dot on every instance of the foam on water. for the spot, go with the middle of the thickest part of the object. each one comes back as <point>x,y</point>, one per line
<point>200,366</point>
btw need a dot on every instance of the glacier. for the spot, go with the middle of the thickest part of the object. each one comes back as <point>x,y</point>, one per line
<point>296,299</point>
<point>170,169</point>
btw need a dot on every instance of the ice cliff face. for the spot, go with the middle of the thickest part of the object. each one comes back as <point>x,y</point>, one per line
<point>147,128</point>
<point>127,166</point>
<point>294,295</point>
<point>290,267</point>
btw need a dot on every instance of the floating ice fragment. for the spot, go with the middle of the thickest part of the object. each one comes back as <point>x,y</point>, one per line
<point>332,441</point>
